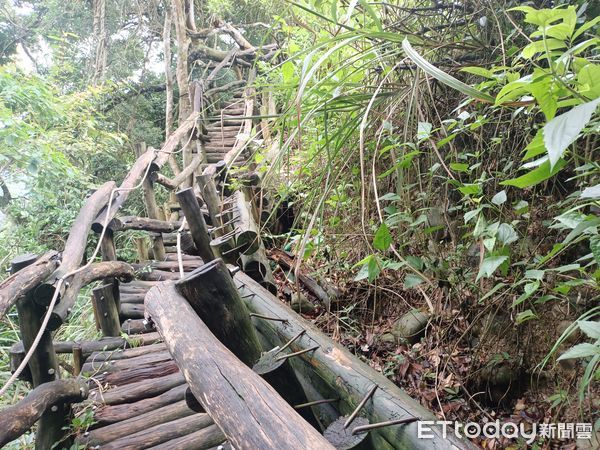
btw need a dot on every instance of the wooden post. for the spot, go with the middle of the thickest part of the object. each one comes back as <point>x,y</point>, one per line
<point>195,220</point>
<point>208,190</point>
<point>107,310</point>
<point>213,295</point>
<point>142,249</point>
<point>158,247</point>
<point>247,409</point>
<point>43,364</point>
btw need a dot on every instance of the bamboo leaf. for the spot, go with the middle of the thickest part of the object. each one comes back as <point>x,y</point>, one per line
<point>442,76</point>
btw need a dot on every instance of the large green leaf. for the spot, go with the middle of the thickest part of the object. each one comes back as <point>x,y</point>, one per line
<point>442,76</point>
<point>541,173</point>
<point>383,238</point>
<point>581,351</point>
<point>591,192</point>
<point>563,130</point>
<point>489,265</point>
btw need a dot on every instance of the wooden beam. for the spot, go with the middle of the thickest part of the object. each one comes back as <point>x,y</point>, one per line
<point>72,254</point>
<point>96,271</point>
<point>20,283</point>
<point>129,182</point>
<point>144,224</point>
<point>247,409</point>
<point>17,419</point>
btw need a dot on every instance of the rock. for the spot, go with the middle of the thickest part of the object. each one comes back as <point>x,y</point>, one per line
<point>388,338</point>
<point>301,304</point>
<point>410,326</point>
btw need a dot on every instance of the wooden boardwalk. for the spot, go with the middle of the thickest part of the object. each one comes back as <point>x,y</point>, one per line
<point>198,352</point>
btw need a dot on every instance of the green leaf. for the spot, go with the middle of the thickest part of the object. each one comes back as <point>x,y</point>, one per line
<point>563,130</point>
<point>507,234</point>
<point>470,189</point>
<point>459,167</point>
<point>591,192</point>
<point>383,238</point>
<point>489,266</point>
<point>499,198</point>
<point>423,130</point>
<point>412,280</point>
<point>479,71</point>
<point>525,316</point>
<point>590,328</point>
<point>586,26</point>
<point>595,247</point>
<point>370,269</point>
<point>580,351</point>
<point>442,76</point>
<point>536,176</point>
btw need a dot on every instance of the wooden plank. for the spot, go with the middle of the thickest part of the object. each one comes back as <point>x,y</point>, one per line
<point>142,389</point>
<point>108,414</point>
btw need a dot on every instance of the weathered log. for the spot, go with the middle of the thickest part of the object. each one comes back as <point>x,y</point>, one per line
<point>213,296</point>
<point>238,400</point>
<point>225,88</point>
<point>17,419</point>
<point>171,266</point>
<point>72,254</point>
<point>343,372</point>
<point>108,414</point>
<point>136,326</point>
<point>257,267</point>
<point>158,248</point>
<point>17,351</point>
<point>173,257</point>
<point>106,310</point>
<point>117,354</point>
<point>96,271</point>
<point>160,433</point>
<point>158,275</point>
<point>131,311</point>
<point>247,237</point>
<point>115,431</point>
<point>141,249</point>
<point>326,295</point>
<point>173,140</point>
<point>144,224</point>
<point>203,439</point>
<point>20,283</point>
<point>208,190</point>
<point>134,374</point>
<point>174,183</point>
<point>43,364</point>
<point>195,220</point>
<point>111,366</point>
<point>140,390</point>
<point>132,298</point>
<point>132,178</point>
